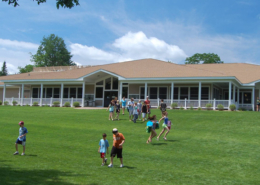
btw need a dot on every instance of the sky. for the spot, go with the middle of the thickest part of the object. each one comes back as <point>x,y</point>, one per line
<point>102,32</point>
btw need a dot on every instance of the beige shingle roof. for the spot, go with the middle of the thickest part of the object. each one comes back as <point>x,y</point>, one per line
<point>151,68</point>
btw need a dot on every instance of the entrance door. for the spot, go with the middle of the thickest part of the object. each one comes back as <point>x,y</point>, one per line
<point>109,95</point>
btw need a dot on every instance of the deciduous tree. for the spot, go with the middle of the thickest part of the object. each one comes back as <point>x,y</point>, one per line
<point>26,69</point>
<point>205,58</point>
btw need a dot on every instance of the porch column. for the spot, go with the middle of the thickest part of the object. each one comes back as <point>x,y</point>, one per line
<point>253,99</point>
<point>83,94</point>
<point>121,91</point>
<point>22,94</point>
<point>41,95</point>
<point>61,94</point>
<point>229,95</point>
<point>4,90</point>
<point>199,94</point>
<point>145,90</point>
<point>234,93</point>
<point>172,92</point>
<point>19,94</point>
<point>237,98</point>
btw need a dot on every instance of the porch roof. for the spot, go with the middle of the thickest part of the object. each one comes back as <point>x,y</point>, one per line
<point>150,68</point>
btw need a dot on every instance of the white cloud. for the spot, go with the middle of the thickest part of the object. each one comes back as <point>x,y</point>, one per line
<point>17,44</point>
<point>128,47</point>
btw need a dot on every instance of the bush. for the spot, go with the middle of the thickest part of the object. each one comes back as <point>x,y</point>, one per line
<point>76,104</point>
<point>27,105</point>
<point>14,103</point>
<point>174,105</point>
<point>67,104</point>
<point>6,103</point>
<point>56,104</point>
<point>1,102</point>
<point>181,108</point>
<point>191,108</point>
<point>242,109</point>
<point>209,106</point>
<point>46,105</point>
<point>199,108</point>
<point>220,107</point>
<point>35,103</point>
<point>232,107</point>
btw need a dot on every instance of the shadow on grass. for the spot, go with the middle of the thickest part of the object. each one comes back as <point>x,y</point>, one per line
<point>173,140</point>
<point>30,155</point>
<point>10,176</point>
<point>129,167</point>
<point>159,143</point>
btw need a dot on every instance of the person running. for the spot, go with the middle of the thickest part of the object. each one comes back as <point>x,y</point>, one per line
<point>123,101</point>
<point>144,111</point>
<point>165,126</point>
<point>117,149</point>
<point>148,104</point>
<point>131,109</point>
<point>152,126</point>
<point>22,138</point>
<point>103,148</point>
<point>117,109</point>
<point>111,110</point>
<point>163,107</point>
<point>139,110</point>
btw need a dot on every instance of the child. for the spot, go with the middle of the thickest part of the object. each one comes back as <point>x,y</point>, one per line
<point>165,126</point>
<point>111,110</point>
<point>123,105</point>
<point>144,111</point>
<point>103,148</point>
<point>139,110</point>
<point>117,109</point>
<point>22,138</point>
<point>151,126</point>
<point>135,112</point>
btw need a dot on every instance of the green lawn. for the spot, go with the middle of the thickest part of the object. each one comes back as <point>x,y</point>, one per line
<point>203,147</point>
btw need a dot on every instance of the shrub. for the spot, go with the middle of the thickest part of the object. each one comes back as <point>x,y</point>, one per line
<point>6,103</point>
<point>220,107</point>
<point>174,105</point>
<point>191,108</point>
<point>19,105</point>
<point>56,104</point>
<point>35,103</point>
<point>199,108</point>
<point>209,106</point>
<point>76,104</point>
<point>67,104</point>
<point>1,102</point>
<point>232,107</point>
<point>14,103</point>
<point>27,105</point>
<point>181,108</point>
<point>242,109</point>
<point>46,105</point>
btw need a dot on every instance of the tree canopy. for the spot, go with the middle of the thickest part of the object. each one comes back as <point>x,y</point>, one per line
<point>26,69</point>
<point>63,3</point>
<point>52,52</point>
<point>4,72</point>
<point>205,58</point>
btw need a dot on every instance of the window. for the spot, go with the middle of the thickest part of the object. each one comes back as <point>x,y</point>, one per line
<point>56,93</point>
<point>162,92</point>
<point>184,93</point>
<point>44,93</point>
<point>35,93</point>
<point>135,96</point>
<point>153,92</point>
<point>66,93</point>
<point>99,83</point>
<point>108,83</point>
<point>79,92</point>
<point>142,93</point>
<point>125,92</point>
<point>194,93</point>
<point>72,92</point>
<point>247,98</point>
<point>99,92</point>
<point>125,83</point>
<point>115,83</point>
<point>204,93</point>
<point>49,93</point>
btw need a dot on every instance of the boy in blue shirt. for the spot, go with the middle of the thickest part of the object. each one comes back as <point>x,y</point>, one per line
<point>22,138</point>
<point>103,148</point>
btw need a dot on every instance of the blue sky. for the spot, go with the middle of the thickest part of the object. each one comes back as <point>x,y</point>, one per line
<point>101,32</point>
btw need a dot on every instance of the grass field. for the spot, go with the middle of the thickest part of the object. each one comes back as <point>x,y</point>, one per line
<point>203,147</point>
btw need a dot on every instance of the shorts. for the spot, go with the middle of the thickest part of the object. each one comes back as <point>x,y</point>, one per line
<point>143,115</point>
<point>123,107</point>
<point>164,126</point>
<point>149,111</point>
<point>117,110</point>
<point>111,111</point>
<point>116,151</point>
<point>131,112</point>
<point>20,142</point>
<point>102,155</point>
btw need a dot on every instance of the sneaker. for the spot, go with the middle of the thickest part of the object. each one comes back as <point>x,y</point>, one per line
<point>16,153</point>
<point>110,166</point>
<point>102,164</point>
<point>105,160</point>
<point>165,138</point>
<point>157,138</point>
<point>23,154</point>
<point>121,165</point>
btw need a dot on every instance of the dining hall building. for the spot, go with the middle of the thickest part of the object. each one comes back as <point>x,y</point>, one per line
<point>192,85</point>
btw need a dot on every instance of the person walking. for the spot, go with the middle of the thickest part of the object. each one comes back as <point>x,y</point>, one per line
<point>148,104</point>
<point>103,149</point>
<point>163,107</point>
<point>144,111</point>
<point>139,110</point>
<point>131,109</point>
<point>22,138</point>
<point>123,101</point>
<point>117,149</point>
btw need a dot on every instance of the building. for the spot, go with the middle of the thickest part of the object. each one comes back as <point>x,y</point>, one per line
<point>187,85</point>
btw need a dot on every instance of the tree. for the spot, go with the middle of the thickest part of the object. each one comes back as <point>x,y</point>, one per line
<point>63,3</point>
<point>26,69</point>
<point>4,72</point>
<point>206,58</point>
<point>52,52</point>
